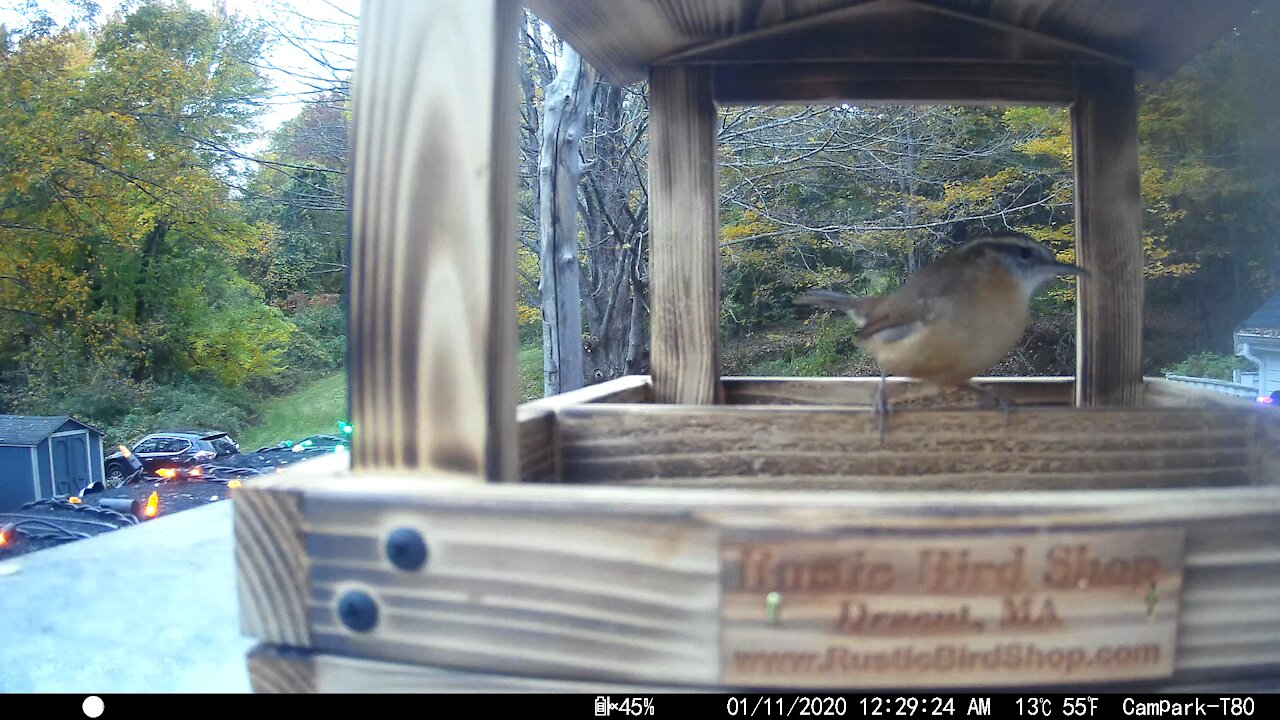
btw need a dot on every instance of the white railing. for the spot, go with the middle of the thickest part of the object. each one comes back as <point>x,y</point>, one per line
<point>1243,377</point>
<point>1218,386</point>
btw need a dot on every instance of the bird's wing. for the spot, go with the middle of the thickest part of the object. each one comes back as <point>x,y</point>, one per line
<point>856,307</point>
<point>924,298</point>
<point>887,321</point>
<point>890,322</point>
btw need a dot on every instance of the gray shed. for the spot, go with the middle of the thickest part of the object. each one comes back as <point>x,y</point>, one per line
<point>42,456</point>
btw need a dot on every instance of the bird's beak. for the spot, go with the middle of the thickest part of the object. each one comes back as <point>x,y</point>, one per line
<point>1069,269</point>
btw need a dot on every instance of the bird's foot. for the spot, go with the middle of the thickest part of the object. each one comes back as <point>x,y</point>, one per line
<point>880,408</point>
<point>994,400</point>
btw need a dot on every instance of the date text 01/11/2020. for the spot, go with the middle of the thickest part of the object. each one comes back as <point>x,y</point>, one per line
<point>863,706</point>
<point>838,706</point>
<point>999,705</point>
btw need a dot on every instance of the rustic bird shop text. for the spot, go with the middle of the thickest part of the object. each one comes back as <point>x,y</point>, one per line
<point>994,609</point>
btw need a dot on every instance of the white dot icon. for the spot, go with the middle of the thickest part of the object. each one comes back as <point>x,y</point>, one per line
<point>93,706</point>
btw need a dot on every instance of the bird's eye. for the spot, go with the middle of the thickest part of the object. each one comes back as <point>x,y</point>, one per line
<point>1026,253</point>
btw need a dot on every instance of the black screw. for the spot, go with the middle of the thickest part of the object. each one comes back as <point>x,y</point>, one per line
<point>358,611</point>
<point>406,549</point>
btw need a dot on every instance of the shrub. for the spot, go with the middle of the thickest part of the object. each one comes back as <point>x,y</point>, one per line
<point>317,348</point>
<point>1210,365</point>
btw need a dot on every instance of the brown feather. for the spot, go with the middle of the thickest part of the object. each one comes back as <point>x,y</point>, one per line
<point>953,319</point>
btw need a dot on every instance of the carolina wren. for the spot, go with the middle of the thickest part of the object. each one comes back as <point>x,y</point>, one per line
<point>955,318</point>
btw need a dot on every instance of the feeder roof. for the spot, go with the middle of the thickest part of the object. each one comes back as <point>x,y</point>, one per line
<point>622,38</point>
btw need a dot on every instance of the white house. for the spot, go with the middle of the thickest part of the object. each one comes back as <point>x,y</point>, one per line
<point>1258,339</point>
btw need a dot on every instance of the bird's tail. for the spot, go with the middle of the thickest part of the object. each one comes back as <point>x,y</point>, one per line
<point>856,307</point>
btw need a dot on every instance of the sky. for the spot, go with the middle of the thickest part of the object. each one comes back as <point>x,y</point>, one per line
<point>286,58</point>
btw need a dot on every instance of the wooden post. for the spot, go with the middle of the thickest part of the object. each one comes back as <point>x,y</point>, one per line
<point>1108,238</point>
<point>432,319</point>
<point>684,257</point>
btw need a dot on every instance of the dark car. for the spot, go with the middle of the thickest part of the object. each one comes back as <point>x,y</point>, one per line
<point>122,467</point>
<point>173,455</point>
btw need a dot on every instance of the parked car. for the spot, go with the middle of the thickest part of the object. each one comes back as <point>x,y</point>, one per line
<point>330,443</point>
<point>170,455</point>
<point>122,467</point>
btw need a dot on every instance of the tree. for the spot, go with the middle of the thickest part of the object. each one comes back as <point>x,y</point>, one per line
<point>298,190</point>
<point>559,172</point>
<point>616,223</point>
<point>117,221</point>
<point>861,197</point>
<point>611,202</point>
<point>1209,183</point>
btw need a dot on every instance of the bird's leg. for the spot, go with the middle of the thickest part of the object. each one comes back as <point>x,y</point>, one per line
<point>995,399</point>
<point>880,406</point>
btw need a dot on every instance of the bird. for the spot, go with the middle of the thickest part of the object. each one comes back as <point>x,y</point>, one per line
<point>955,318</point>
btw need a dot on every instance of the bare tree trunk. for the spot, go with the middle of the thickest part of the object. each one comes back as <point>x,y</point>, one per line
<point>559,170</point>
<point>616,223</point>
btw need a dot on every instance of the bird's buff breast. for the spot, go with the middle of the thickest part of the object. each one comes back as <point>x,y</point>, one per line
<point>954,348</point>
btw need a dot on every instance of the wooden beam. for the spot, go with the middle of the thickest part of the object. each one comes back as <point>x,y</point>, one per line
<point>836,82</point>
<point>1157,36</point>
<point>539,451</point>
<point>620,39</point>
<point>684,256</point>
<point>830,448</point>
<point>626,389</point>
<point>711,48</point>
<point>1020,37</point>
<point>625,584</point>
<point>860,391</point>
<point>271,564</point>
<point>277,670</point>
<point>432,325</point>
<point>1108,238</point>
<point>624,37</point>
<point>539,445</point>
<point>890,30</point>
<point>282,670</point>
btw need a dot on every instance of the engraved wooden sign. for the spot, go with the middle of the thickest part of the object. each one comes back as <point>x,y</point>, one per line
<point>941,610</point>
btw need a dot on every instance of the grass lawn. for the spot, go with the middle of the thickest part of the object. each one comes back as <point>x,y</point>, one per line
<point>529,371</point>
<point>313,410</point>
<point>317,408</point>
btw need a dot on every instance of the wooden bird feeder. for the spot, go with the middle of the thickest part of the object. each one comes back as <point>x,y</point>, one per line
<point>686,531</point>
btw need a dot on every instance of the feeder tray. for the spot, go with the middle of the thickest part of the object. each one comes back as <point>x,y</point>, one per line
<point>687,531</point>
